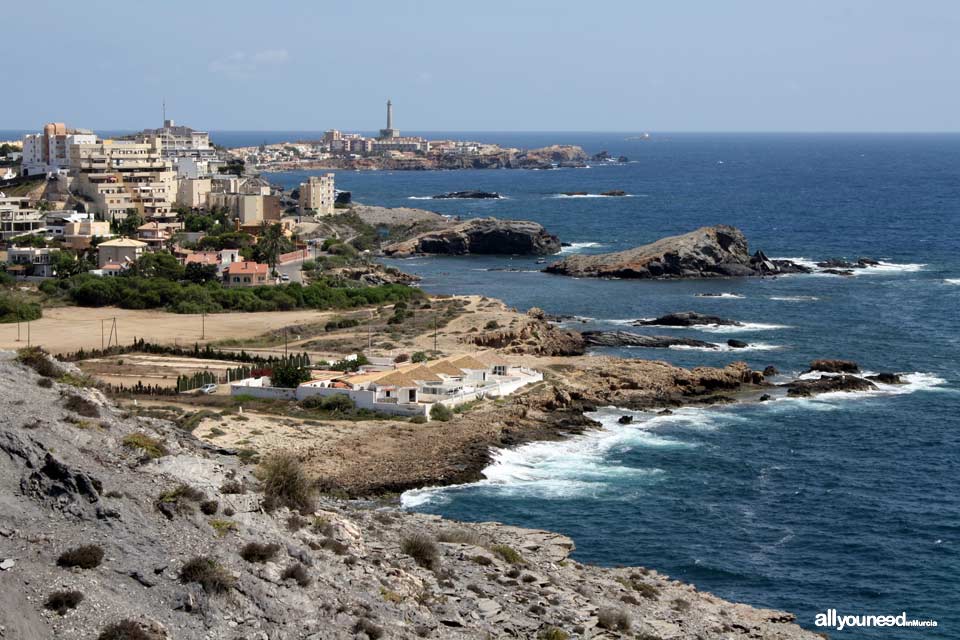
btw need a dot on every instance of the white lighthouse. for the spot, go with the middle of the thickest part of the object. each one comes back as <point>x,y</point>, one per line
<point>389,132</point>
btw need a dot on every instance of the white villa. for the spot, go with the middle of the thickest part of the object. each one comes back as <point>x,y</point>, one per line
<point>410,389</point>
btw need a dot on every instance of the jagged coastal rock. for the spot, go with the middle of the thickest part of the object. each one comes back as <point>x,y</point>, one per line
<point>707,252</point>
<point>468,195</point>
<point>481,236</point>
<point>686,319</point>
<point>828,384</point>
<point>628,339</point>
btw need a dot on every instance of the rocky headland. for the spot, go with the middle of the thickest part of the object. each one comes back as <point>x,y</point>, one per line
<point>708,252</point>
<point>117,525</point>
<point>480,236</point>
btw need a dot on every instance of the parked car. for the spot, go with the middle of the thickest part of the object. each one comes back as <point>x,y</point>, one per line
<point>209,388</point>
<point>285,277</point>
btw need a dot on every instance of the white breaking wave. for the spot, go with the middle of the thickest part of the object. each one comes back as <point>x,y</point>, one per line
<point>579,246</point>
<point>911,383</point>
<point>588,195</point>
<point>419,197</point>
<point>585,465</point>
<point>952,280</point>
<point>721,296</point>
<point>576,467</point>
<point>795,298</point>
<point>726,328</point>
<point>751,346</point>
<point>881,267</point>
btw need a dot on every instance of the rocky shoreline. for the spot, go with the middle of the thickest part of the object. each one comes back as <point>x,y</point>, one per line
<point>117,522</point>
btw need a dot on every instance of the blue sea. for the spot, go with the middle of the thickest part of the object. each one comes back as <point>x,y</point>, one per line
<point>847,501</point>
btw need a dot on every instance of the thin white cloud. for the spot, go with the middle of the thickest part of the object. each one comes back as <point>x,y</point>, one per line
<point>241,64</point>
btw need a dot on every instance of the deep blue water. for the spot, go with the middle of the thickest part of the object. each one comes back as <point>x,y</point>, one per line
<point>846,502</point>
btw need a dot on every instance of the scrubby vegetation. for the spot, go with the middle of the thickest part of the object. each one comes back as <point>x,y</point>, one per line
<point>151,447</point>
<point>208,573</point>
<point>38,360</point>
<point>124,630</point>
<point>298,573</point>
<point>82,406</point>
<point>63,601</point>
<point>422,549</point>
<point>259,552</point>
<point>508,553</point>
<point>158,292</point>
<point>613,619</point>
<point>285,483</point>
<point>14,310</point>
<point>440,412</point>
<point>87,556</point>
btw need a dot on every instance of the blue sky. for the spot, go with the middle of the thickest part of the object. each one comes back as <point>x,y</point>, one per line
<point>709,65</point>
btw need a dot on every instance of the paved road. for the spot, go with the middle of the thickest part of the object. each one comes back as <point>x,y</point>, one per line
<point>292,269</point>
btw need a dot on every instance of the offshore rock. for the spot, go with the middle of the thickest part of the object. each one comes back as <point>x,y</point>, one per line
<point>828,384</point>
<point>481,236</point>
<point>628,339</point>
<point>686,319</point>
<point>707,252</point>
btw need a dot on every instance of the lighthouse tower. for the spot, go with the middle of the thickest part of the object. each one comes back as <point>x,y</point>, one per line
<point>389,132</point>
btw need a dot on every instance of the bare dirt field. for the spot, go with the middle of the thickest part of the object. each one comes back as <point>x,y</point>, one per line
<point>67,329</point>
<point>150,369</point>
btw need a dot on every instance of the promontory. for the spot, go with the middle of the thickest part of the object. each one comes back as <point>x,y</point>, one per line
<point>715,251</point>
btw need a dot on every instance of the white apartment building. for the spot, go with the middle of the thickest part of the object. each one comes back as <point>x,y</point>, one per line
<point>49,151</point>
<point>121,175</point>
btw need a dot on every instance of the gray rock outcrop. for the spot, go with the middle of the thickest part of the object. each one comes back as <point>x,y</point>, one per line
<point>480,236</point>
<point>707,252</point>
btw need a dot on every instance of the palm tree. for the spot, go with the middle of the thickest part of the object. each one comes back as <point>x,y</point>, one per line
<point>269,243</point>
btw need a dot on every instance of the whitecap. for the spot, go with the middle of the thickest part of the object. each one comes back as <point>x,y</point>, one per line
<point>419,197</point>
<point>729,328</point>
<point>720,296</point>
<point>574,247</point>
<point>795,298</point>
<point>952,280</point>
<point>722,348</point>
<point>588,195</point>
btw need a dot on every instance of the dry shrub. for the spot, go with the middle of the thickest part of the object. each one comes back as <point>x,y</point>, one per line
<point>82,406</point>
<point>285,483</point>
<point>125,630</point>
<point>422,549</point>
<point>297,572</point>
<point>87,556</point>
<point>208,573</point>
<point>63,601</point>
<point>258,552</point>
<point>613,619</point>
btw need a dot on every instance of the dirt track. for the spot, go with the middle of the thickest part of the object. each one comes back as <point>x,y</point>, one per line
<point>67,329</point>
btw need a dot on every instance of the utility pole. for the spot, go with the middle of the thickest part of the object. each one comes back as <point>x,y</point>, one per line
<point>435,333</point>
<point>203,324</point>
<point>284,342</point>
<point>101,335</point>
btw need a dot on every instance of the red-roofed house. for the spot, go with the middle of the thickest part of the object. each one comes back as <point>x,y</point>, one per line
<point>247,274</point>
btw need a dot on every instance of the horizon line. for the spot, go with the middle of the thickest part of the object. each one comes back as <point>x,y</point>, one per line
<point>568,131</point>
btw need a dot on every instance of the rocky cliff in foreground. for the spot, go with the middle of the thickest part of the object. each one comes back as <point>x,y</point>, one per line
<point>481,236</point>
<point>115,526</point>
<point>707,252</point>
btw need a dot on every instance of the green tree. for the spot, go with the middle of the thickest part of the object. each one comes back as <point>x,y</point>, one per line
<point>157,265</point>
<point>270,243</point>
<point>288,375</point>
<point>201,273</point>
<point>129,225</point>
